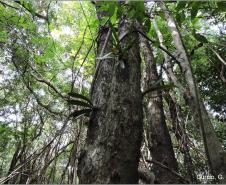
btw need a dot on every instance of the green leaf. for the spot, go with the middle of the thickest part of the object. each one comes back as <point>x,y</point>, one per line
<point>84,112</point>
<point>221,5</point>
<point>194,8</point>
<point>111,8</point>
<point>114,15</point>
<point>79,103</point>
<point>136,10</point>
<point>3,36</point>
<point>180,17</point>
<point>195,21</point>
<point>114,34</point>
<point>147,25</point>
<point>108,7</point>
<point>181,5</point>
<point>200,37</point>
<point>132,14</point>
<point>194,12</point>
<point>162,15</point>
<point>156,43</point>
<point>79,96</point>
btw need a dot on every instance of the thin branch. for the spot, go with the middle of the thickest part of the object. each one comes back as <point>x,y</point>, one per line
<point>47,82</point>
<point>158,88</point>
<point>5,4</point>
<point>31,12</point>
<point>222,73</point>
<point>167,168</point>
<point>86,20</point>
<point>87,54</point>
<point>159,46</point>
<point>218,55</point>
<point>39,101</point>
<point>34,156</point>
<point>74,57</point>
<point>169,68</point>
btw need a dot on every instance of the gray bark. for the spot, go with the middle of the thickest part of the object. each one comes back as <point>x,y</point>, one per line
<point>213,147</point>
<point>181,135</point>
<point>146,176</point>
<point>112,150</point>
<point>159,140</point>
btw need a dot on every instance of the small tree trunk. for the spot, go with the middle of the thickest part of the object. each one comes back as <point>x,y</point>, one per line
<point>159,139</point>
<point>13,163</point>
<point>181,135</point>
<point>112,150</point>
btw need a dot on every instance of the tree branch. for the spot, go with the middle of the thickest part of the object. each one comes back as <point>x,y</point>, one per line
<point>5,4</point>
<point>160,47</point>
<point>167,168</point>
<point>218,55</point>
<point>31,12</point>
<point>222,73</point>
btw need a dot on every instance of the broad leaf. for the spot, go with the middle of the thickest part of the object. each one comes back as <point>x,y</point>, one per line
<point>200,37</point>
<point>79,103</point>
<point>194,9</point>
<point>84,112</point>
<point>79,96</point>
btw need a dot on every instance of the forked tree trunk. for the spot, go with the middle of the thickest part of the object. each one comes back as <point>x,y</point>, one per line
<point>159,140</point>
<point>112,150</point>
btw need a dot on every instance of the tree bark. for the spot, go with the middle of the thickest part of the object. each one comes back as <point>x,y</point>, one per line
<point>181,135</point>
<point>213,147</point>
<point>112,150</point>
<point>13,163</point>
<point>159,140</point>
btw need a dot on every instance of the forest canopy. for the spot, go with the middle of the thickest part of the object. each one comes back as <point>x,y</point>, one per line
<point>112,92</point>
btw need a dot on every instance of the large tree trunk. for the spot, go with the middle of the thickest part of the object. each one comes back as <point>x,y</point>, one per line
<point>159,139</point>
<point>112,150</point>
<point>213,147</point>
